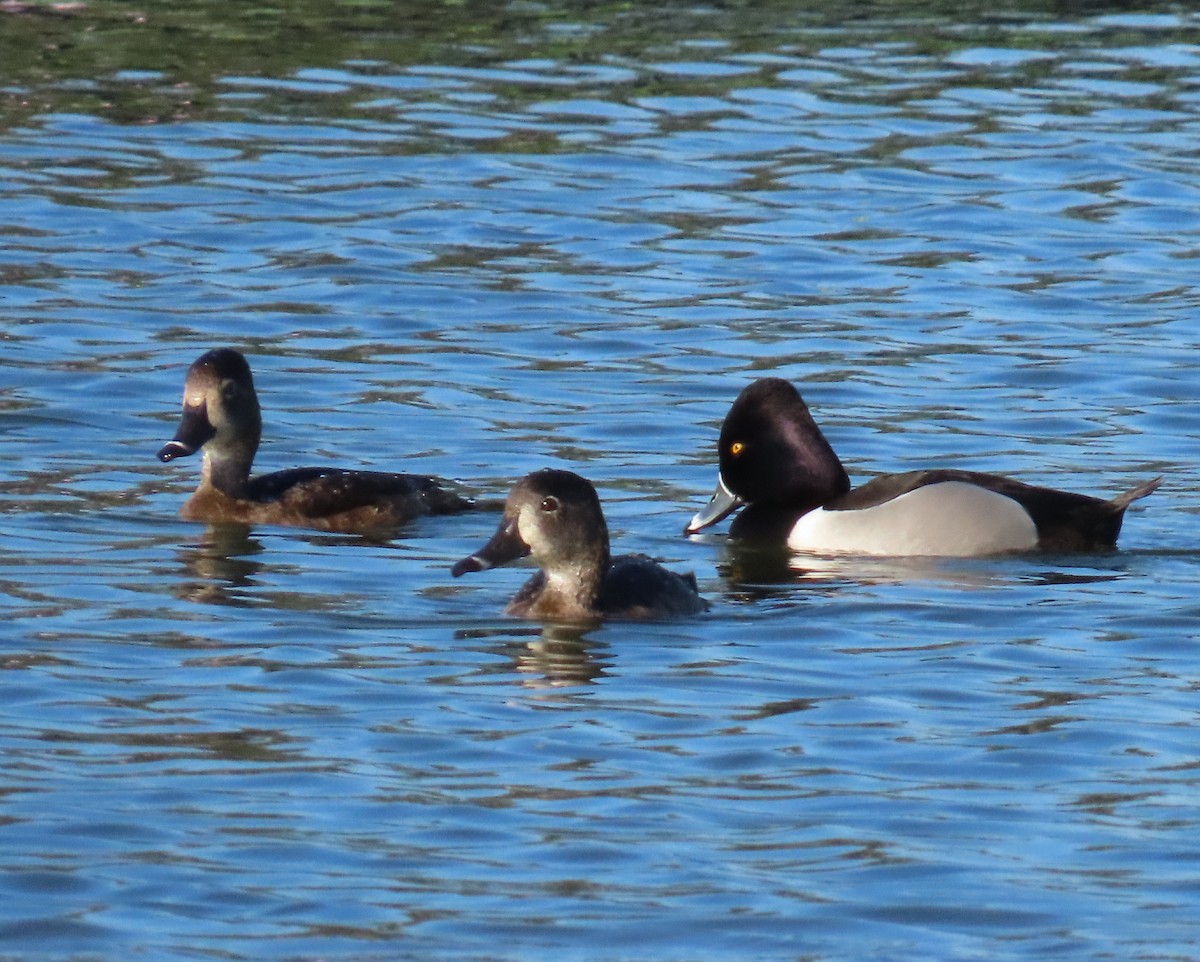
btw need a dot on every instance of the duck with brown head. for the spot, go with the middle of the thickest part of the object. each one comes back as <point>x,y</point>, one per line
<point>221,417</point>
<point>556,517</point>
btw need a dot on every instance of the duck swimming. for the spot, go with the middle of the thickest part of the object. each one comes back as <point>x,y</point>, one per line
<point>775,461</point>
<point>556,517</point>
<point>221,416</point>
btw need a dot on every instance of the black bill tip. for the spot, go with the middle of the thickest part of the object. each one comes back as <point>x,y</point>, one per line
<point>175,449</point>
<point>468,564</point>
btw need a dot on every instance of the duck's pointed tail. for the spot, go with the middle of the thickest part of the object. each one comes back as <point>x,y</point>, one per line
<point>1123,501</point>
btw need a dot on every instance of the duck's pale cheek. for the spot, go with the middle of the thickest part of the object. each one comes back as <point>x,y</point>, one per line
<point>951,519</point>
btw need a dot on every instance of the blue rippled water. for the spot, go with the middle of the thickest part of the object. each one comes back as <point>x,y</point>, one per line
<point>970,244</point>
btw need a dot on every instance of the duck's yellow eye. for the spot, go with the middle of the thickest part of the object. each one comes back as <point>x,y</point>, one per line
<point>736,448</point>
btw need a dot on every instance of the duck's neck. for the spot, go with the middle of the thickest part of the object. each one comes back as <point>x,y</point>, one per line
<point>227,467</point>
<point>578,583</point>
<point>824,485</point>
<point>818,475</point>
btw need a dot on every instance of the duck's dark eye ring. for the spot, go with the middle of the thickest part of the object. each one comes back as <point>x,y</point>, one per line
<point>550,504</point>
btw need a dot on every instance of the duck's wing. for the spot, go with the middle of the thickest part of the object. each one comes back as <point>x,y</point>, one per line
<point>1065,521</point>
<point>1076,522</point>
<point>639,587</point>
<point>325,492</point>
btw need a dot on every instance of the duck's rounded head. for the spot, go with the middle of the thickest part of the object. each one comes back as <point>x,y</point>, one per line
<point>771,454</point>
<point>219,405</point>
<point>556,517</point>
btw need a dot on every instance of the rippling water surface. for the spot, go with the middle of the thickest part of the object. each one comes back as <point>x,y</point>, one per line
<point>484,243</point>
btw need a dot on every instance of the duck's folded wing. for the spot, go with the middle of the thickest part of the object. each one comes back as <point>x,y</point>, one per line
<point>637,586</point>
<point>322,492</point>
<point>1064,520</point>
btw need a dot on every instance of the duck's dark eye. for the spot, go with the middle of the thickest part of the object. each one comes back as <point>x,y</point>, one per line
<point>550,504</point>
<point>736,448</point>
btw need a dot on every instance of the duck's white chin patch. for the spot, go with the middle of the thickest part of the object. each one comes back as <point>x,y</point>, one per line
<point>951,519</point>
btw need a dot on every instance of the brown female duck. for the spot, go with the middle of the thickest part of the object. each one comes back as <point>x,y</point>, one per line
<point>221,416</point>
<point>556,517</point>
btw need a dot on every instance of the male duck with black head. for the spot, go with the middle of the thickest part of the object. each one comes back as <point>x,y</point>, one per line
<point>556,517</point>
<point>221,417</point>
<point>775,461</point>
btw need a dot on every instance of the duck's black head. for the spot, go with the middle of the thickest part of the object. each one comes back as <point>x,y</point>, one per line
<point>772,455</point>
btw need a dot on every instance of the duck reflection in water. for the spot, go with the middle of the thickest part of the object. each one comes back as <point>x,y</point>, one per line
<point>552,656</point>
<point>755,571</point>
<point>222,567</point>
